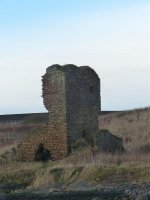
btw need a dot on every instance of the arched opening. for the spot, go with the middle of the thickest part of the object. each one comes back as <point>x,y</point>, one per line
<point>42,154</point>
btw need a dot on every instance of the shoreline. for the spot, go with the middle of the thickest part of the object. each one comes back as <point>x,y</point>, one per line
<point>118,192</point>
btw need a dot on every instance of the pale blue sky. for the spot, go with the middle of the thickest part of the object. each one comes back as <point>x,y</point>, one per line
<point>111,36</point>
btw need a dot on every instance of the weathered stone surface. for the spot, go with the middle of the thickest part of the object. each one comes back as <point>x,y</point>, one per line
<point>71,95</point>
<point>55,143</point>
<point>107,142</point>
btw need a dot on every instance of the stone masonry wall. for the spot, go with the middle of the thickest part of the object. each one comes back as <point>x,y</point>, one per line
<point>82,101</point>
<point>54,101</point>
<point>56,144</point>
<point>54,135</point>
<point>71,95</point>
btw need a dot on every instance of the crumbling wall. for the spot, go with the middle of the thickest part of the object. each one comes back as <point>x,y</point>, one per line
<point>71,95</point>
<point>82,101</point>
<point>55,102</point>
<point>56,144</point>
<point>54,135</point>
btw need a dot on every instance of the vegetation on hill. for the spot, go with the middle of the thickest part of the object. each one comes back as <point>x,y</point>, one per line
<point>133,126</point>
<point>85,166</point>
<point>13,132</point>
<point>89,165</point>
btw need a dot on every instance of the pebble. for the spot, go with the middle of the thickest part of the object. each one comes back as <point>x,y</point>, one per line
<point>121,192</point>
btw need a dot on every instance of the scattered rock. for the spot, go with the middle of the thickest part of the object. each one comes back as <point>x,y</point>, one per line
<point>107,142</point>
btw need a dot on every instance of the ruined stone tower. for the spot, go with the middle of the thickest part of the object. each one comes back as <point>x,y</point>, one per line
<point>71,95</point>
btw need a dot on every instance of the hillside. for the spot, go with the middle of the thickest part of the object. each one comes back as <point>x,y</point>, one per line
<point>133,126</point>
<point>15,127</point>
<point>126,174</point>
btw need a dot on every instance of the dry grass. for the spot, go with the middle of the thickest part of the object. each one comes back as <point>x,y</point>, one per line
<point>7,148</point>
<point>18,173</point>
<point>88,157</point>
<point>13,133</point>
<point>133,126</point>
<point>89,165</point>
